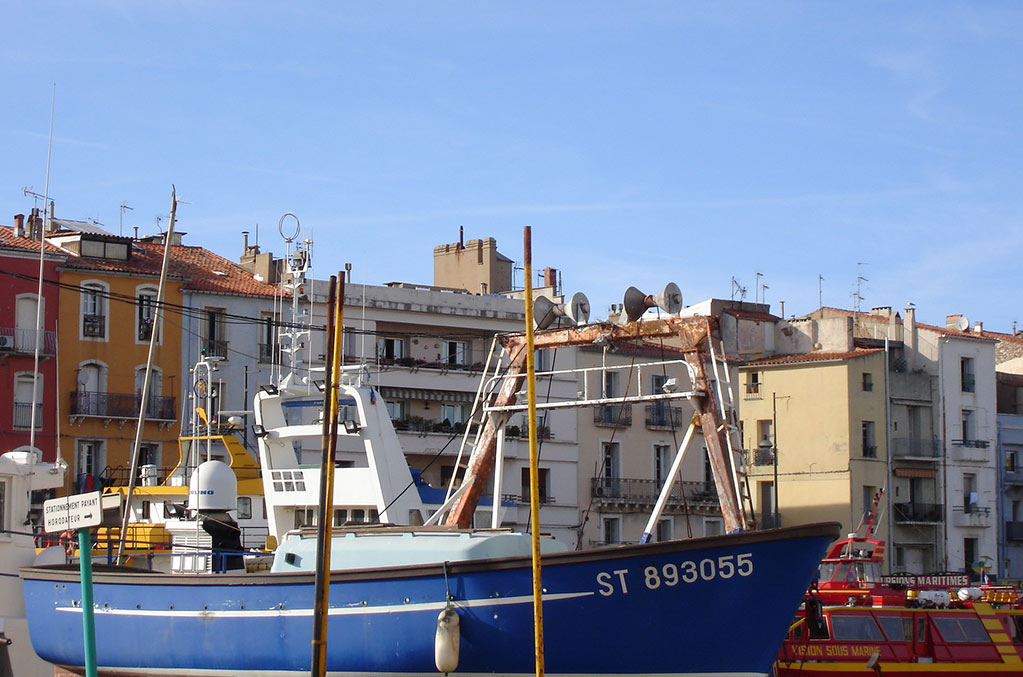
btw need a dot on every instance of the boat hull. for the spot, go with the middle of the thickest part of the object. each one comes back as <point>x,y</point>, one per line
<point>678,607</point>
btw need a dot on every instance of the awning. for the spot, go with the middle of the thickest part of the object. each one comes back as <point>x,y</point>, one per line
<point>399,393</point>
<point>928,473</point>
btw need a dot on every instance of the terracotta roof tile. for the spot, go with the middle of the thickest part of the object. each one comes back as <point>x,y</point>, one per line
<point>815,357</point>
<point>199,268</point>
<point>9,241</point>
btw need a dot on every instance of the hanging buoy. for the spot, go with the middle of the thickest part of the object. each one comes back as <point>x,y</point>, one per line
<point>445,644</point>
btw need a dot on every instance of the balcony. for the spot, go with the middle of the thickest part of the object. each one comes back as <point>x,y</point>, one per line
<point>613,415</point>
<point>761,456</point>
<point>117,405</point>
<point>215,348</point>
<point>644,493</point>
<point>916,447</point>
<point>1014,531</point>
<point>971,515</point>
<point>659,416</point>
<point>23,341</point>
<point>971,450</point>
<point>752,391</point>
<point>918,512</point>
<point>23,415</point>
<point>524,499</point>
<point>269,353</point>
<point>1014,476</point>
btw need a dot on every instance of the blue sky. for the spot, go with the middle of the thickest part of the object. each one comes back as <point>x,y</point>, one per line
<point>643,141</point>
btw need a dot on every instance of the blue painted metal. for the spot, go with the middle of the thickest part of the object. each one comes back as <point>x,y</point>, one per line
<point>690,604</point>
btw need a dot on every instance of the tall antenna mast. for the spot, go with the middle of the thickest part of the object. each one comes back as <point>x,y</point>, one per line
<point>120,223</point>
<point>756,286</point>
<point>820,290</point>
<point>48,211</point>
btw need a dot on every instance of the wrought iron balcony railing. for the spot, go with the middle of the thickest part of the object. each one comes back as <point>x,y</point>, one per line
<point>215,348</point>
<point>762,456</point>
<point>973,444</point>
<point>918,512</point>
<point>120,405</point>
<point>612,415</point>
<point>23,341</point>
<point>645,492</point>
<point>916,447</point>
<point>659,416</point>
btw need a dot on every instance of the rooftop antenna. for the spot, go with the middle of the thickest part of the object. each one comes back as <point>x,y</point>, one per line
<point>738,289</point>
<point>756,285</point>
<point>859,285</point>
<point>158,218</point>
<point>763,293</point>
<point>820,290</point>
<point>120,224</point>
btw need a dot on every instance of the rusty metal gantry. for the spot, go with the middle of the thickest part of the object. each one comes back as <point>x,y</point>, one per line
<point>694,334</point>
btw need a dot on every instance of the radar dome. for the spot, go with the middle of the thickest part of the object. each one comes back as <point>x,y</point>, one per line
<point>213,486</point>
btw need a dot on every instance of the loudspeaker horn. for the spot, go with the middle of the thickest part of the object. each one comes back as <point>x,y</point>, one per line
<point>547,312</point>
<point>636,302</point>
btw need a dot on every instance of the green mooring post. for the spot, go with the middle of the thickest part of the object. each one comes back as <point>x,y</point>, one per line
<point>88,621</point>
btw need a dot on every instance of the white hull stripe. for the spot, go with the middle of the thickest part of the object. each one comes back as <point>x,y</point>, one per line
<point>353,610</point>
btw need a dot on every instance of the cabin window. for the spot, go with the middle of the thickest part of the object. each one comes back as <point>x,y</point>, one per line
<point>855,628</point>
<point>244,508</point>
<point>896,628</point>
<point>962,629</point>
<point>305,517</point>
<point>288,480</point>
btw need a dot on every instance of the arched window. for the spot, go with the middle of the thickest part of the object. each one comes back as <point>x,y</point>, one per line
<point>90,397</point>
<point>23,400</point>
<point>94,309</point>
<point>146,315</point>
<point>154,401</point>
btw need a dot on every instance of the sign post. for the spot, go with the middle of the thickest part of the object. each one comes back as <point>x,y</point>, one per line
<point>80,511</point>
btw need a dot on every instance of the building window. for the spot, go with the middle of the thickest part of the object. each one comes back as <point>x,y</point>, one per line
<point>868,381</point>
<point>244,507</point>
<point>452,413</point>
<point>269,350</point>
<point>610,468</point>
<point>396,410</point>
<point>868,500</point>
<point>662,462</point>
<point>612,527</point>
<point>1011,460</point>
<point>765,432</point>
<point>145,316</point>
<point>753,383</point>
<point>712,527</point>
<point>455,353</point>
<point>970,497</point>
<point>23,401</point>
<point>214,340</point>
<point>3,504</point>
<point>968,432</point>
<point>94,310</point>
<point>966,375</point>
<point>610,384</point>
<point>543,481</point>
<point>665,529</point>
<point>869,443</point>
<point>389,348</point>
<point>88,464</point>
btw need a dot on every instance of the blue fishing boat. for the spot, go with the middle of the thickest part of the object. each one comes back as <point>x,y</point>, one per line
<point>444,597</point>
<point>664,608</point>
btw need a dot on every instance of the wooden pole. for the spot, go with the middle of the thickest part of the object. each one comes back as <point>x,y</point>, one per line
<point>335,315</point>
<point>534,471</point>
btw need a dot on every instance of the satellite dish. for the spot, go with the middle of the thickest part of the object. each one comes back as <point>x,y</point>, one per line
<point>547,312</point>
<point>636,302</point>
<point>963,323</point>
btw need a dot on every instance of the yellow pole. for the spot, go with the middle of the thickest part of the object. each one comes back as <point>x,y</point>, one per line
<point>335,321</point>
<point>534,473</point>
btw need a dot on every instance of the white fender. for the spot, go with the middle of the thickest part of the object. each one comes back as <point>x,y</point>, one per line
<point>445,643</point>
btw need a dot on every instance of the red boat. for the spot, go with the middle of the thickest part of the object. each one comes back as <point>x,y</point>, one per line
<point>857,622</point>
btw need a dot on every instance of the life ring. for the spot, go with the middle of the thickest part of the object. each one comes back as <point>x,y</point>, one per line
<point>67,539</point>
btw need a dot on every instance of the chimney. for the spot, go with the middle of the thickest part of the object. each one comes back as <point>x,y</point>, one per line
<point>885,311</point>
<point>461,237</point>
<point>52,227</point>
<point>19,225</point>
<point>950,320</point>
<point>245,241</point>
<point>550,277</point>
<point>978,328</point>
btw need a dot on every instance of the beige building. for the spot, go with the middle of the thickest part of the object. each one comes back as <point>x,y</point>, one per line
<point>813,425</point>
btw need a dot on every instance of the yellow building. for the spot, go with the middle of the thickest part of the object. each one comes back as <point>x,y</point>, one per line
<point>814,427</point>
<point>107,314</point>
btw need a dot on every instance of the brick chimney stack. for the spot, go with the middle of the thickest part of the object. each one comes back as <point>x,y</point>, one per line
<point>19,225</point>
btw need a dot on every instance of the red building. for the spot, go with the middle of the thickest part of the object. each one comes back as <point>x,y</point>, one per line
<point>19,289</point>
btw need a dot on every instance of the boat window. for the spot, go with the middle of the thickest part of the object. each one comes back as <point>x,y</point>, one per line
<point>896,628</point>
<point>288,480</point>
<point>961,628</point>
<point>826,570</point>
<point>855,627</point>
<point>244,508</point>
